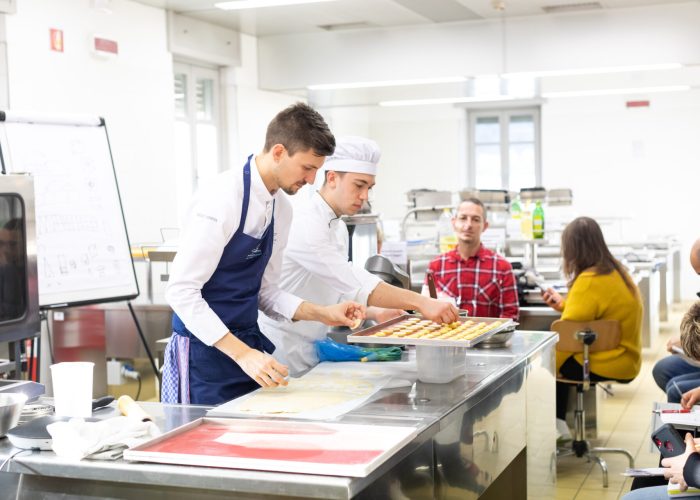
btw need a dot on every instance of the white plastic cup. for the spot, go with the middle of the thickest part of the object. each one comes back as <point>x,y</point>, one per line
<point>72,388</point>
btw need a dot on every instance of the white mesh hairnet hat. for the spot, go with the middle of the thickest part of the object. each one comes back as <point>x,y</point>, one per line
<point>354,154</point>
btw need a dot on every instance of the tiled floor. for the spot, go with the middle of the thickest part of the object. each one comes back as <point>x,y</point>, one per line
<point>623,422</point>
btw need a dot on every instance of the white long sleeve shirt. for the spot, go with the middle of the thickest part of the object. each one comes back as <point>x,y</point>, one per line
<point>212,220</point>
<point>316,268</point>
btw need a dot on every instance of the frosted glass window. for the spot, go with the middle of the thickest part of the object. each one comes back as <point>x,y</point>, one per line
<point>487,130</point>
<point>207,151</point>
<point>521,129</point>
<point>205,99</point>
<point>488,166</point>
<point>180,95</point>
<point>197,127</point>
<point>521,166</point>
<point>504,149</point>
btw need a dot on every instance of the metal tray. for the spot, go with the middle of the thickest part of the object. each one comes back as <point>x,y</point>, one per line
<point>365,336</point>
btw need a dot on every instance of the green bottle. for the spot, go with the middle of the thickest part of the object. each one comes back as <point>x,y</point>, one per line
<point>538,222</point>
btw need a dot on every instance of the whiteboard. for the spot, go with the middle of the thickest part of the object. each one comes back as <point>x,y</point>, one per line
<point>83,251</point>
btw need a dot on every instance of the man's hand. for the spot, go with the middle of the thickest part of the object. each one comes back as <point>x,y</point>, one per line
<point>675,465</point>
<point>673,342</point>
<point>259,366</point>
<point>382,314</point>
<point>438,311</point>
<point>348,314</point>
<point>262,368</point>
<point>690,398</point>
<point>553,299</point>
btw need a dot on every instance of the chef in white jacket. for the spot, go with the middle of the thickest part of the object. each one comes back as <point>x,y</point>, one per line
<point>315,264</point>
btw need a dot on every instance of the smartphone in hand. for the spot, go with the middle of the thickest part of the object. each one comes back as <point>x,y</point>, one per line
<point>668,440</point>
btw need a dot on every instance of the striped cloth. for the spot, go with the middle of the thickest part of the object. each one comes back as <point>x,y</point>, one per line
<point>175,387</point>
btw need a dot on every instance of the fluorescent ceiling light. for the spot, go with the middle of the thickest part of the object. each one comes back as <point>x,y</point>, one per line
<point>631,90</point>
<point>446,100</point>
<point>387,83</point>
<point>594,71</point>
<point>257,4</point>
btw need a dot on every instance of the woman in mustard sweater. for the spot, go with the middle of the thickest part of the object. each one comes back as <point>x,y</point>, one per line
<point>599,288</point>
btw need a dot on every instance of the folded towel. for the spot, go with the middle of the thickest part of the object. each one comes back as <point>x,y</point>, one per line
<point>104,440</point>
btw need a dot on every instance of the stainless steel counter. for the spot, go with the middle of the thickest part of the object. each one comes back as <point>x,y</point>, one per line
<point>537,317</point>
<point>489,433</point>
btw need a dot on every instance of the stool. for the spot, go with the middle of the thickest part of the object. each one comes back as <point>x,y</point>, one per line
<point>585,337</point>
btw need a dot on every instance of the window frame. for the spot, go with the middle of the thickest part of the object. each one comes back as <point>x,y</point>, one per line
<point>503,115</point>
<point>192,72</point>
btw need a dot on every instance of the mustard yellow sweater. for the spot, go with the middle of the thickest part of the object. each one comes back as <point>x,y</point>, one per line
<point>606,296</point>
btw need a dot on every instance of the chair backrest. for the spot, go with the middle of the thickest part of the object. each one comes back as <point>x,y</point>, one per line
<point>608,331</point>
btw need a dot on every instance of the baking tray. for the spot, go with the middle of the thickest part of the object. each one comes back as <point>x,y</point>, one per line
<point>325,448</point>
<point>365,336</point>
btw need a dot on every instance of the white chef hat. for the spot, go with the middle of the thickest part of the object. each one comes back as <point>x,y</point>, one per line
<point>354,154</point>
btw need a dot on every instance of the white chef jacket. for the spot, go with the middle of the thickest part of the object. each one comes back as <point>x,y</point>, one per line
<point>213,217</point>
<point>316,268</point>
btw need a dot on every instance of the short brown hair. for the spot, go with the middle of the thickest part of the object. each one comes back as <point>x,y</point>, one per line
<point>475,201</point>
<point>299,127</point>
<point>690,331</point>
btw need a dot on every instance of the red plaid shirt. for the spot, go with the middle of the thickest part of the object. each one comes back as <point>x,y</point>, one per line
<point>483,284</point>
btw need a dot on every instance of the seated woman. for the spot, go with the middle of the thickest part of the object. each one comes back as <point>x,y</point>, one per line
<point>599,288</point>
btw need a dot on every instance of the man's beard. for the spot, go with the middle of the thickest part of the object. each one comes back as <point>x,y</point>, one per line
<point>290,189</point>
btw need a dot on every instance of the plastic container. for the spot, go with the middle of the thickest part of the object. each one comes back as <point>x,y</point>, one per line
<point>446,234</point>
<point>440,364</point>
<point>515,209</point>
<point>72,388</point>
<point>538,222</point>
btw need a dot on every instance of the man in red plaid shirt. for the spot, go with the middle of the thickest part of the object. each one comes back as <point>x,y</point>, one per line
<point>480,280</point>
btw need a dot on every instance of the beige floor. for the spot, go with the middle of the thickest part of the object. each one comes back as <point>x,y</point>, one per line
<point>623,422</point>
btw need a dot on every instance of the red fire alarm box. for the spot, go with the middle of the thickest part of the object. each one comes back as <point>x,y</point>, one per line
<point>56,38</point>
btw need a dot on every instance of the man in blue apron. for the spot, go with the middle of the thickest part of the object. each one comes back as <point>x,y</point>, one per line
<point>228,265</point>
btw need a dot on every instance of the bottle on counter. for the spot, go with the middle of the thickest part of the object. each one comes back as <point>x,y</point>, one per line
<point>526,221</point>
<point>515,209</point>
<point>538,222</point>
<point>447,240</point>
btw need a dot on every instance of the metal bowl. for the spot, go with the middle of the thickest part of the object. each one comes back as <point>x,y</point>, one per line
<point>10,409</point>
<point>499,339</point>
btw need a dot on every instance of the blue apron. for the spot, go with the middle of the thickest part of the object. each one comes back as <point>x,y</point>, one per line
<point>232,293</point>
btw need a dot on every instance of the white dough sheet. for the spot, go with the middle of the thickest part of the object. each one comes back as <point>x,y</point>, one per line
<point>326,392</point>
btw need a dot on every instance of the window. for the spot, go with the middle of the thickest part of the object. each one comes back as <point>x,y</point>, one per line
<point>197,126</point>
<point>504,149</point>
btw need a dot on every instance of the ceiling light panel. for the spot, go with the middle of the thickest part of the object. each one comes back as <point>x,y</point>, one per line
<point>258,4</point>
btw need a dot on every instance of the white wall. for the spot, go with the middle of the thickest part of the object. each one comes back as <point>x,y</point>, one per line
<point>250,109</point>
<point>132,91</point>
<point>641,164</point>
<point>662,33</point>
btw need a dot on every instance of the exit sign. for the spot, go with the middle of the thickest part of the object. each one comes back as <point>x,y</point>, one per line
<point>106,46</point>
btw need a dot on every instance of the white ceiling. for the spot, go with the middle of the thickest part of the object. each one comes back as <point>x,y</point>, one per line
<point>364,14</point>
